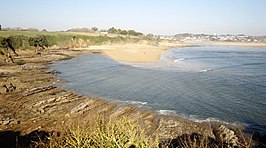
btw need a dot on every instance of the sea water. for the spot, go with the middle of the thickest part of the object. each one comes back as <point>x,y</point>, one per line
<point>201,83</point>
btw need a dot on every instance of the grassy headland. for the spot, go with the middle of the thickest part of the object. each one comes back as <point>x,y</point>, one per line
<point>118,47</point>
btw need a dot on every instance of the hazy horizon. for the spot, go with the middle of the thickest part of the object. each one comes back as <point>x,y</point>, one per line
<point>158,17</point>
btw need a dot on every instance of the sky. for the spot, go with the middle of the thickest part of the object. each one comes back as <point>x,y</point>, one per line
<point>161,17</point>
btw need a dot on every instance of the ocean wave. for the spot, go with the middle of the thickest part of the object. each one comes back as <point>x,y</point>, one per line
<point>206,70</point>
<point>208,120</point>
<point>136,102</point>
<point>197,119</point>
<point>177,60</point>
<point>167,112</point>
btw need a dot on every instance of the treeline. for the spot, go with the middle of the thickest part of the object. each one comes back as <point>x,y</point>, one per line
<point>21,41</point>
<point>90,30</point>
<point>111,30</point>
<point>20,29</point>
<point>10,44</point>
<point>124,32</point>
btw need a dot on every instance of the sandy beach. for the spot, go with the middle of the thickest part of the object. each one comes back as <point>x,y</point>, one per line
<point>137,53</point>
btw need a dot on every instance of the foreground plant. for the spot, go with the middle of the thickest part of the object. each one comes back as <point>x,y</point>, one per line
<point>103,133</point>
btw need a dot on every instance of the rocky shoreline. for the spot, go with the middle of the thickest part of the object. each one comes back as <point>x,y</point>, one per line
<point>38,104</point>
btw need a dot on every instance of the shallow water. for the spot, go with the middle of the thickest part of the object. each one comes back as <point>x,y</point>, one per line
<point>210,82</point>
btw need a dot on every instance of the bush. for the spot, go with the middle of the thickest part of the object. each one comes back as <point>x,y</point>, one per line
<point>40,41</point>
<point>124,32</point>
<point>16,41</point>
<point>5,47</point>
<point>1,42</point>
<point>102,133</point>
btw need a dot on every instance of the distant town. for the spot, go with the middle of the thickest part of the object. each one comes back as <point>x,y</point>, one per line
<point>187,37</point>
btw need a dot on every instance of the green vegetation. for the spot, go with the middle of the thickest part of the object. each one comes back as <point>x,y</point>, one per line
<point>124,32</point>
<point>61,39</point>
<point>126,133</point>
<point>103,133</point>
<point>31,33</point>
<point>16,41</point>
<point>38,42</point>
<point>94,29</point>
<point>12,40</point>
<point>7,44</point>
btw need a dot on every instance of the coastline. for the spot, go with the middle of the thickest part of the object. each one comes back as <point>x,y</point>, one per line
<point>39,104</point>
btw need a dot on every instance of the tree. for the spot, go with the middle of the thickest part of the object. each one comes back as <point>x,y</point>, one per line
<point>131,32</point>
<point>94,29</point>
<point>119,31</point>
<point>134,33</point>
<point>149,36</point>
<point>123,32</point>
<point>112,30</point>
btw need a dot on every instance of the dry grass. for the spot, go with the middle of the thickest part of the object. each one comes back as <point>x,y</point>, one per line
<point>126,133</point>
<point>104,133</point>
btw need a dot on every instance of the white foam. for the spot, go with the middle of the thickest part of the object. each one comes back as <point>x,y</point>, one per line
<point>136,102</point>
<point>205,120</point>
<point>209,119</point>
<point>167,112</point>
<point>177,60</point>
<point>206,70</point>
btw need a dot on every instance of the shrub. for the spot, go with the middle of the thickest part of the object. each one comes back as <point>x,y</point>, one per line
<point>40,41</point>
<point>5,47</point>
<point>16,41</point>
<point>102,133</point>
